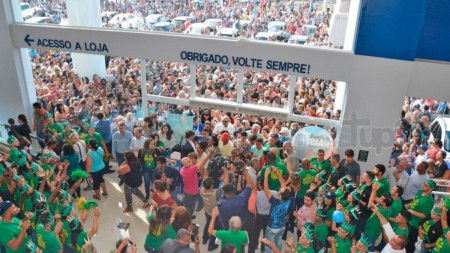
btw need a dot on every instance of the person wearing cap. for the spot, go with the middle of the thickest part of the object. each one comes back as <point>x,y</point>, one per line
<point>398,175</point>
<point>14,236</point>
<point>421,155</point>
<point>340,242</point>
<point>54,127</point>
<point>225,145</point>
<point>329,204</point>
<point>64,137</point>
<point>420,208</point>
<point>443,242</point>
<point>47,239</point>
<point>431,230</point>
<point>284,134</point>
<point>397,243</point>
<point>373,228</point>
<point>320,226</point>
<point>19,157</point>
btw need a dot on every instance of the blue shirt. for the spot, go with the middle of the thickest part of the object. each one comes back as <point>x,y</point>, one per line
<point>278,212</point>
<point>97,159</point>
<point>121,142</point>
<point>103,127</point>
<point>235,206</point>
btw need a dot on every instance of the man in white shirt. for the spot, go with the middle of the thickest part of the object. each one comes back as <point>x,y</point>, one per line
<point>421,155</point>
<point>397,243</point>
<point>398,175</point>
<point>137,142</point>
<point>224,126</point>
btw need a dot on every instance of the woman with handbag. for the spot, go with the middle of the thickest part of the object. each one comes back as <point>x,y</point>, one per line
<point>130,170</point>
<point>95,166</point>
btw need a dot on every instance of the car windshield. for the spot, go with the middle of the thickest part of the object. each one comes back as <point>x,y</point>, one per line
<point>24,7</point>
<point>153,18</point>
<point>275,27</point>
<point>212,23</point>
<point>447,141</point>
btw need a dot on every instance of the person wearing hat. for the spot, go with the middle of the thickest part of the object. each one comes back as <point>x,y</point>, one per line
<point>320,226</point>
<point>47,240</point>
<point>420,208</point>
<point>225,145</point>
<point>421,155</point>
<point>54,127</point>
<point>362,245</point>
<point>330,205</point>
<point>443,242</point>
<point>64,137</point>
<point>19,157</point>
<point>14,236</point>
<point>431,230</point>
<point>340,242</point>
<point>306,240</point>
<point>373,228</point>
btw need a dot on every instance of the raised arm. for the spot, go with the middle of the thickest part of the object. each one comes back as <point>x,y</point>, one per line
<point>266,183</point>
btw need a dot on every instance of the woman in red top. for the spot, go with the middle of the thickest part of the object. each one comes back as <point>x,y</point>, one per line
<point>161,195</point>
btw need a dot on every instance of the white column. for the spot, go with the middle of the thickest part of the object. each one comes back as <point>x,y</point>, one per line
<point>86,13</point>
<point>240,86</point>
<point>17,93</point>
<point>144,89</point>
<point>192,80</point>
<point>291,96</point>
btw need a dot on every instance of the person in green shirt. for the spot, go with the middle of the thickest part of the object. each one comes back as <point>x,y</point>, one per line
<point>79,237</point>
<point>91,134</point>
<point>431,230</point>
<point>53,126</point>
<point>234,235</point>
<point>380,181</point>
<point>397,205</point>
<point>320,226</point>
<point>443,243</point>
<point>306,176</point>
<point>47,240</point>
<point>420,208</point>
<point>83,130</point>
<point>306,240</point>
<point>64,137</point>
<point>340,242</point>
<point>159,228</point>
<point>362,245</point>
<point>14,235</point>
<point>19,157</point>
<point>373,228</point>
<point>274,183</point>
<point>400,222</point>
<point>319,163</point>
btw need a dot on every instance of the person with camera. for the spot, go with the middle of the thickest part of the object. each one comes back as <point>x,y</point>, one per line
<point>122,246</point>
<point>181,243</point>
<point>233,235</point>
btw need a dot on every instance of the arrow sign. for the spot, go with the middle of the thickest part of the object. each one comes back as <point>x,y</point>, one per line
<point>28,40</point>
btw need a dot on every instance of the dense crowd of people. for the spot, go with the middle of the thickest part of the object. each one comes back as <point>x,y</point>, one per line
<point>237,172</point>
